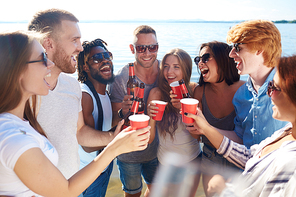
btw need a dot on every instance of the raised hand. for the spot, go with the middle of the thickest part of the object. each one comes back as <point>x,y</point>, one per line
<point>126,103</point>
<point>151,109</point>
<point>129,140</point>
<point>200,124</point>
<point>175,102</point>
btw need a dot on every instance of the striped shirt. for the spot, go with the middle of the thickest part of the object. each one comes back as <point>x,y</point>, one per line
<point>273,174</point>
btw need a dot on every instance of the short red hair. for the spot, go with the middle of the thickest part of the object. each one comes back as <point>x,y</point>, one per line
<point>258,35</point>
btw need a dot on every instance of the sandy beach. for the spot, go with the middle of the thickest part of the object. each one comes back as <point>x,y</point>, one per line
<point>115,190</point>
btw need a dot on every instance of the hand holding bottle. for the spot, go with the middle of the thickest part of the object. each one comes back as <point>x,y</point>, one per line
<point>174,100</point>
<point>126,104</point>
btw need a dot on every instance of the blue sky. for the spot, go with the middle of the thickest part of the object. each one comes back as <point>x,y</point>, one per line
<point>213,10</point>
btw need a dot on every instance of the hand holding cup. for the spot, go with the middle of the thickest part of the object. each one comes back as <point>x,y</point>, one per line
<point>139,121</point>
<point>160,107</point>
<point>175,86</point>
<point>188,105</point>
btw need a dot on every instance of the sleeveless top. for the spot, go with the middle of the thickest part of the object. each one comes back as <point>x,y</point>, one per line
<point>225,123</point>
<point>183,144</point>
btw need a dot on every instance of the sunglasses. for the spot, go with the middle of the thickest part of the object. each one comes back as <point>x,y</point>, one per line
<point>44,59</point>
<point>142,48</point>
<point>204,58</point>
<point>99,57</point>
<point>236,47</point>
<point>271,87</point>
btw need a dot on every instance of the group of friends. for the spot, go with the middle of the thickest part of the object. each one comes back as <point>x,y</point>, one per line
<point>55,133</point>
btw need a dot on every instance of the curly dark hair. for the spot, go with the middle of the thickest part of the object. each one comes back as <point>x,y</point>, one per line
<point>84,55</point>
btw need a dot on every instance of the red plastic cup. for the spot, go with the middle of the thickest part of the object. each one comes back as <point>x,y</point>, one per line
<point>176,89</point>
<point>161,106</point>
<point>139,121</point>
<point>188,105</point>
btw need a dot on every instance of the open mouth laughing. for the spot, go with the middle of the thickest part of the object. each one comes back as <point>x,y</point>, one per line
<point>204,71</point>
<point>106,69</point>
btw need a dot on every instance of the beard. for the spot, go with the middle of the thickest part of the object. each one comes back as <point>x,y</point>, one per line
<point>63,61</point>
<point>94,73</point>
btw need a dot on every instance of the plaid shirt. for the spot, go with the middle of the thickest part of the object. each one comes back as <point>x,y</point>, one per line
<point>273,174</point>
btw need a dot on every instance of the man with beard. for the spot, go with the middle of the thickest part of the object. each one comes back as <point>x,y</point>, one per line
<point>60,113</point>
<point>146,66</point>
<point>95,71</point>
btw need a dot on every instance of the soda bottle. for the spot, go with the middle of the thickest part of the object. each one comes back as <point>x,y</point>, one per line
<point>184,90</point>
<point>132,84</point>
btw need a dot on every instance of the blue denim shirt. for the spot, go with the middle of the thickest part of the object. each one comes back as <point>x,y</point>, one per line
<point>253,121</point>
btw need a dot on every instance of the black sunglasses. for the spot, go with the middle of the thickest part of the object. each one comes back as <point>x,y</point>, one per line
<point>142,48</point>
<point>44,59</point>
<point>271,87</point>
<point>99,57</point>
<point>204,58</point>
<point>236,46</point>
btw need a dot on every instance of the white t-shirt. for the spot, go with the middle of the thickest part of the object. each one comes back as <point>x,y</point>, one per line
<point>86,158</point>
<point>58,116</point>
<point>16,137</point>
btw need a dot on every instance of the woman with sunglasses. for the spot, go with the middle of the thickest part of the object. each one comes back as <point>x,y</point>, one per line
<point>218,82</point>
<point>27,159</point>
<point>172,133</point>
<point>269,167</point>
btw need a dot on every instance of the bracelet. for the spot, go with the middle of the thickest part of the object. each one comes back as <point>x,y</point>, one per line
<point>120,114</point>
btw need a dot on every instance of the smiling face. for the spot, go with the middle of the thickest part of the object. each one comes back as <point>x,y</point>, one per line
<point>67,46</point>
<point>246,60</point>
<point>33,79</point>
<point>147,58</point>
<point>210,68</point>
<point>102,71</point>
<point>172,69</point>
<point>283,108</point>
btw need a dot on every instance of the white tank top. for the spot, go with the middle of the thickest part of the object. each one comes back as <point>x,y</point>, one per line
<point>183,144</point>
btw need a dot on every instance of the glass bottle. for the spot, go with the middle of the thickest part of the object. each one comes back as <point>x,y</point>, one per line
<point>138,106</point>
<point>184,90</point>
<point>132,111</point>
<point>140,99</point>
<point>132,84</point>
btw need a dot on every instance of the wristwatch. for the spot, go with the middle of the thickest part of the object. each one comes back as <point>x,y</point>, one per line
<point>120,114</point>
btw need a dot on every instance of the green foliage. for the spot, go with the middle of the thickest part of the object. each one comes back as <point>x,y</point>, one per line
<point>285,21</point>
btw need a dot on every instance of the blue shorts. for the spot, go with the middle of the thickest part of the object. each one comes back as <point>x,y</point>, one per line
<point>130,174</point>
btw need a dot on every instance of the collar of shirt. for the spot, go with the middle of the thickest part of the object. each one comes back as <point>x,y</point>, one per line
<point>263,88</point>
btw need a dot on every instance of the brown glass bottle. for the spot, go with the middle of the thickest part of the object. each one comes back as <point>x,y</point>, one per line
<point>132,111</point>
<point>132,84</point>
<point>138,106</point>
<point>140,99</point>
<point>184,90</point>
